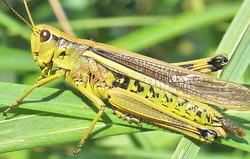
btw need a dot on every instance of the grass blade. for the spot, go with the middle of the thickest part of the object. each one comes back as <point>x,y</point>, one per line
<point>19,29</point>
<point>16,59</point>
<point>31,126</point>
<point>110,22</point>
<point>175,26</point>
<point>186,149</point>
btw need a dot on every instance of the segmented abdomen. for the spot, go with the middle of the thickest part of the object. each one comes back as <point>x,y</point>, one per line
<point>194,111</point>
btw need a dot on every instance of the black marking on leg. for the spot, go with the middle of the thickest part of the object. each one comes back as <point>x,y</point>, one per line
<point>218,62</point>
<point>136,83</point>
<point>208,118</point>
<point>212,133</point>
<point>179,104</point>
<point>165,105</point>
<point>188,66</point>
<point>166,97</point>
<point>187,112</point>
<point>204,133</point>
<point>194,107</point>
<point>125,83</point>
<point>116,83</point>
<point>62,53</point>
<point>170,100</point>
<point>177,109</point>
<point>198,113</point>
<point>215,121</point>
<point>139,88</point>
<point>36,53</point>
<point>151,90</point>
<point>5,114</point>
<point>157,95</point>
<point>122,83</point>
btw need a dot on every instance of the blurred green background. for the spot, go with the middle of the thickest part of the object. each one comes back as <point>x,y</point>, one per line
<point>169,30</point>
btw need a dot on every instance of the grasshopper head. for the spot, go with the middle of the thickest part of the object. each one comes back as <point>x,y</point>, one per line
<point>43,40</point>
<point>43,45</point>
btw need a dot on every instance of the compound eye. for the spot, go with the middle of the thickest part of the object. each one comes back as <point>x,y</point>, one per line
<point>44,35</point>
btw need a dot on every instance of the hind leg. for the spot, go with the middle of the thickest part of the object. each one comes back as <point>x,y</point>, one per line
<point>125,117</point>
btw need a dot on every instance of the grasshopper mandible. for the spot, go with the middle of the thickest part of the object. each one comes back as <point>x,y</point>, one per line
<point>173,96</point>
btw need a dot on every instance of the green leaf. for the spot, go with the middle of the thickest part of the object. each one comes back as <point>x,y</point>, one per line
<point>173,27</point>
<point>187,149</point>
<point>51,116</point>
<point>14,26</point>
<point>16,59</point>
<point>113,22</point>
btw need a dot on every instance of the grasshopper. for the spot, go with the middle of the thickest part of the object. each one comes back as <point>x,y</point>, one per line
<point>139,88</point>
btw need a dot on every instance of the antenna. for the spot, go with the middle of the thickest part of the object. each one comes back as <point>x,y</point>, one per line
<point>28,12</point>
<point>19,16</point>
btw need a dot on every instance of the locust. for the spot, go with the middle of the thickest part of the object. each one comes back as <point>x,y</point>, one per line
<point>140,89</point>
